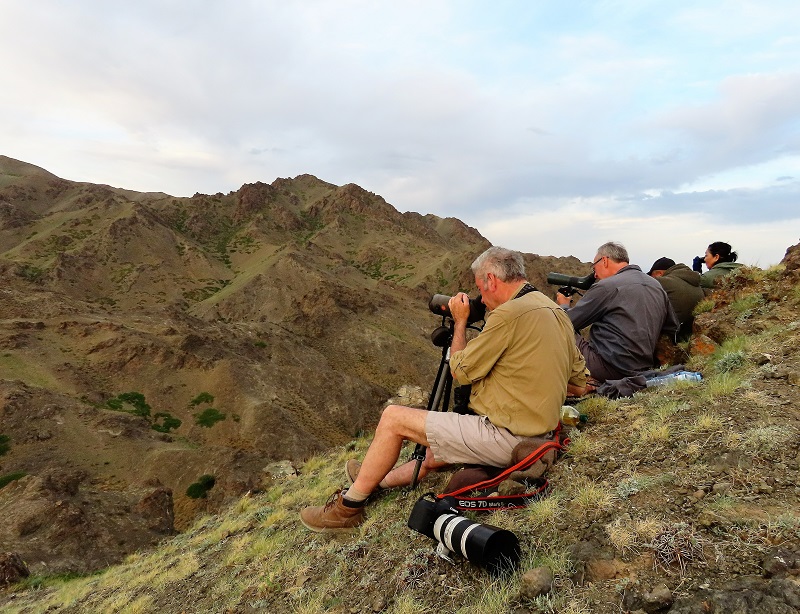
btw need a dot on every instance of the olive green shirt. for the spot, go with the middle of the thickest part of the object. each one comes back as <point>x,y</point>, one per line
<point>520,364</point>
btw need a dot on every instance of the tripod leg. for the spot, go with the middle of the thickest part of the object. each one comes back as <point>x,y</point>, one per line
<point>442,393</point>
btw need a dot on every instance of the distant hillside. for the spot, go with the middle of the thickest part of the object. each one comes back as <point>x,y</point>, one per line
<point>147,341</point>
<point>684,499</point>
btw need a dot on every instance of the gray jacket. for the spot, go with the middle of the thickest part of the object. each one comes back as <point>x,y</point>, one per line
<point>628,312</point>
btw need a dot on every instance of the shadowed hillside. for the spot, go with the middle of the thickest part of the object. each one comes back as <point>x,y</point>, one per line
<point>147,341</point>
<point>683,499</point>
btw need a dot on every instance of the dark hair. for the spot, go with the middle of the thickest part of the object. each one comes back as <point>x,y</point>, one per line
<point>723,250</point>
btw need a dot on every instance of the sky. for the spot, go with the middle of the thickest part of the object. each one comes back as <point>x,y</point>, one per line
<point>550,127</point>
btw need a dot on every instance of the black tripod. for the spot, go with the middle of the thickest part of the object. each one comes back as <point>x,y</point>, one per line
<point>442,386</point>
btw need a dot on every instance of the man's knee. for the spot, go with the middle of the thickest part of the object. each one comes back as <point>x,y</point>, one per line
<point>392,414</point>
<point>399,418</point>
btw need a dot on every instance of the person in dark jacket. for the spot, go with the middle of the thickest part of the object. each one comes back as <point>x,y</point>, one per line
<point>628,311</point>
<point>720,261</point>
<point>683,289</point>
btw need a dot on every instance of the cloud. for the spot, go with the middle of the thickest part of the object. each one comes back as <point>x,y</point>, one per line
<point>509,111</point>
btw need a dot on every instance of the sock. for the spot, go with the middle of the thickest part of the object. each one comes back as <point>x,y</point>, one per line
<point>383,484</point>
<point>353,498</point>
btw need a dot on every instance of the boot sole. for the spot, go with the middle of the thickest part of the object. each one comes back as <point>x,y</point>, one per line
<point>341,530</point>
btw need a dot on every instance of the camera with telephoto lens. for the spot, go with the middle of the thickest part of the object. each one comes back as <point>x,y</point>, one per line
<point>496,550</point>
<point>439,305</point>
<point>570,285</point>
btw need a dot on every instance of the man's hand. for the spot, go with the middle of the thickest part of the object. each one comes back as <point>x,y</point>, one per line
<point>563,300</point>
<point>459,308</point>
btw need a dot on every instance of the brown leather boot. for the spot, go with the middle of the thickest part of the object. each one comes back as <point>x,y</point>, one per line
<point>334,516</point>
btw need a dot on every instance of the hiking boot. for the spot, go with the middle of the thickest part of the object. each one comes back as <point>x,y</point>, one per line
<point>334,516</point>
<point>351,469</point>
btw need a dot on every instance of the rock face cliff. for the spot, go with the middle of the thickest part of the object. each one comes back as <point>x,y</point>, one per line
<point>147,341</point>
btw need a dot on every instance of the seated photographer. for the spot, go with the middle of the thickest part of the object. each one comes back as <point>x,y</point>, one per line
<point>720,261</point>
<point>519,366</point>
<point>627,310</point>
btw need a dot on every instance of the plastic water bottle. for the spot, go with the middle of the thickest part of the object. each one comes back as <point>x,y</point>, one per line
<point>685,376</point>
<point>571,416</point>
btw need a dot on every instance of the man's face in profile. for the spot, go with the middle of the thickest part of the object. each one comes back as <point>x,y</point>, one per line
<point>600,266</point>
<point>486,288</point>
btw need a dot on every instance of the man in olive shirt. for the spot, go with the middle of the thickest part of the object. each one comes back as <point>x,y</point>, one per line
<point>520,368</point>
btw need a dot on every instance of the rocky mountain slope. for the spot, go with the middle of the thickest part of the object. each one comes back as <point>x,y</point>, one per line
<point>683,499</point>
<point>148,341</point>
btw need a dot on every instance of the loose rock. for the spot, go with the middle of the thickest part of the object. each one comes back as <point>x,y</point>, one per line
<point>535,582</point>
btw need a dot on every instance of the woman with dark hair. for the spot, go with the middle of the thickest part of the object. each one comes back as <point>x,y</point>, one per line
<point>720,261</point>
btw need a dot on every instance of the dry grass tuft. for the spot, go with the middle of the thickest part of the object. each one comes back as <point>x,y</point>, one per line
<point>590,499</point>
<point>629,535</point>
<point>722,385</point>
<point>707,421</point>
<point>766,438</point>
<point>583,445</point>
<point>599,409</point>
<point>677,543</point>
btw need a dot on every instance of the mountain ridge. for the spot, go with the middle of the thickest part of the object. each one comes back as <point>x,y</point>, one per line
<point>298,306</point>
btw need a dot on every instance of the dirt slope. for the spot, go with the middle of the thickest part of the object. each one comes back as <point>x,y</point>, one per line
<point>281,316</point>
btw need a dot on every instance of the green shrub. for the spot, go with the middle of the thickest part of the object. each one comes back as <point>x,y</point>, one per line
<point>199,489</point>
<point>203,397</point>
<point>207,481</point>
<point>10,477</point>
<point>704,306</point>
<point>30,273</point>
<point>134,399</point>
<point>168,422</point>
<point>748,303</point>
<point>730,361</point>
<point>209,417</point>
<point>5,444</point>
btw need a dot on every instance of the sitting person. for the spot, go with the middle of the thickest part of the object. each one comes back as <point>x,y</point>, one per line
<point>520,367</point>
<point>683,289</point>
<point>628,311</point>
<point>719,260</point>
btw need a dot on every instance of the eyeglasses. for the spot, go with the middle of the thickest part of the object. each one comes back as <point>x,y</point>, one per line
<point>596,261</point>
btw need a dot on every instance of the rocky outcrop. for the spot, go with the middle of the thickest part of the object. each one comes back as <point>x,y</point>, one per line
<point>12,568</point>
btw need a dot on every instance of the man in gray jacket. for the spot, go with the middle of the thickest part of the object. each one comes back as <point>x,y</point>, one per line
<point>683,288</point>
<point>627,310</point>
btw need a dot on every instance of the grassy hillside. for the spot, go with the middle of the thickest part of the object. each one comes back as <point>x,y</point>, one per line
<point>293,308</point>
<point>684,498</point>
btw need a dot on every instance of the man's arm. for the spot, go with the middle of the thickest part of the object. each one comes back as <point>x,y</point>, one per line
<point>459,309</point>
<point>477,358</point>
<point>590,308</point>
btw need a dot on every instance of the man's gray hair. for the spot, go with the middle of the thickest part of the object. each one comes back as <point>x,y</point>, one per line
<point>505,264</point>
<point>613,251</point>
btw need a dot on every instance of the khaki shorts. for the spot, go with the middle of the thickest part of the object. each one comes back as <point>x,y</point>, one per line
<point>471,440</point>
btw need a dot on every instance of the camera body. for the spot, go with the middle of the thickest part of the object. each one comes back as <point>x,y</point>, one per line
<point>569,284</point>
<point>497,550</point>
<point>439,305</point>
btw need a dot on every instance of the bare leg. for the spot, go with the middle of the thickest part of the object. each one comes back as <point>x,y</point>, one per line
<point>401,476</point>
<point>397,424</point>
